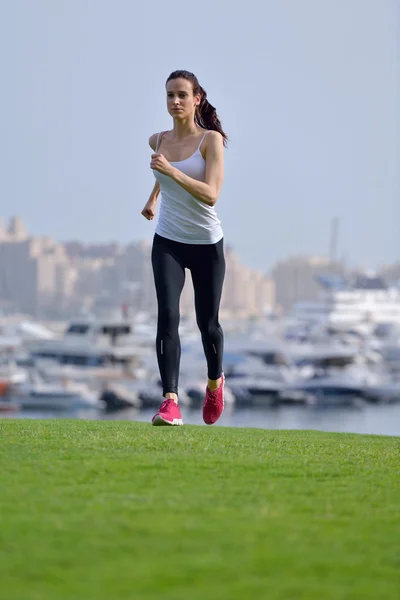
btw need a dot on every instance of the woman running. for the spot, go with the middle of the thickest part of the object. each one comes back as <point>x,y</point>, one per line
<point>188,164</point>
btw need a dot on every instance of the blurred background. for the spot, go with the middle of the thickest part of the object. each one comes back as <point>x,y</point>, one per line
<point>309,94</point>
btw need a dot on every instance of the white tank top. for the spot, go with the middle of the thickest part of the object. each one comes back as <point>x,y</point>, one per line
<point>184,218</point>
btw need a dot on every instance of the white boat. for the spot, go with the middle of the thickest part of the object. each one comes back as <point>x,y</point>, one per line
<point>89,348</point>
<point>40,395</point>
<point>14,332</point>
<point>339,375</point>
<point>367,300</point>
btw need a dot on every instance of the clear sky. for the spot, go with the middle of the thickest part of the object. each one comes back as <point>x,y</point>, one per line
<point>308,92</point>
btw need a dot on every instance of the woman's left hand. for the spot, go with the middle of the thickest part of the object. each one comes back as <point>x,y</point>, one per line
<point>160,163</point>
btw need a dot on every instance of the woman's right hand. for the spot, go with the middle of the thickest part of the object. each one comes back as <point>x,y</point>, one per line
<point>149,210</point>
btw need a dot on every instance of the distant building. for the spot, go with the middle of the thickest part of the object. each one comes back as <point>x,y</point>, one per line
<point>34,272</point>
<point>17,230</point>
<point>246,292</point>
<point>41,276</point>
<point>295,278</point>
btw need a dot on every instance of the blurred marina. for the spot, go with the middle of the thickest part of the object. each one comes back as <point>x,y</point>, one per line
<point>333,364</point>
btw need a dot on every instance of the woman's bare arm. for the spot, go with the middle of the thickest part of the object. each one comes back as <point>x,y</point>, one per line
<point>209,190</point>
<point>154,192</point>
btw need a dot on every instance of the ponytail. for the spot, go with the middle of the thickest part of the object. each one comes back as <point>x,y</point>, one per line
<point>206,115</point>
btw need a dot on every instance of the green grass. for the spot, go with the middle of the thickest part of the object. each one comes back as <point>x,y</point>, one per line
<point>109,510</point>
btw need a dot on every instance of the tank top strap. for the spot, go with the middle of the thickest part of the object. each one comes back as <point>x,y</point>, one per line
<point>159,139</point>
<point>202,139</point>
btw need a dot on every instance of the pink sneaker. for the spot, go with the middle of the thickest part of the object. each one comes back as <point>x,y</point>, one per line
<point>169,413</point>
<point>214,403</point>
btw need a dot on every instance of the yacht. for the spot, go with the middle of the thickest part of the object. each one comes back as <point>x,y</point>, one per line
<point>258,373</point>
<point>89,345</point>
<point>344,303</point>
<point>37,394</point>
<point>15,331</point>
<point>341,375</point>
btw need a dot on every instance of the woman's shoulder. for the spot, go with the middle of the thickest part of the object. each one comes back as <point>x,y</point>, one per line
<point>212,140</point>
<point>213,134</point>
<point>154,138</point>
<point>213,137</point>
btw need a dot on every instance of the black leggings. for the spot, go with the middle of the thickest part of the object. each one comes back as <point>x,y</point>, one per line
<point>207,265</point>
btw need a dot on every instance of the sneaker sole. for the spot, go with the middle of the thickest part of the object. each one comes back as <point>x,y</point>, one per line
<point>159,421</point>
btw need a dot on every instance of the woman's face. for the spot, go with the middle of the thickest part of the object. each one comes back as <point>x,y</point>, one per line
<point>181,102</point>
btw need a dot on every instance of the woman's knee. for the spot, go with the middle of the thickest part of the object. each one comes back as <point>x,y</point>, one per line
<point>168,319</point>
<point>207,327</point>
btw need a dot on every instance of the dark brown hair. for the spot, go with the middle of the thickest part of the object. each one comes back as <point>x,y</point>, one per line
<point>206,115</point>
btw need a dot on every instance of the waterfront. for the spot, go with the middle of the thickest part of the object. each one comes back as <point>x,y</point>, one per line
<point>369,419</point>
